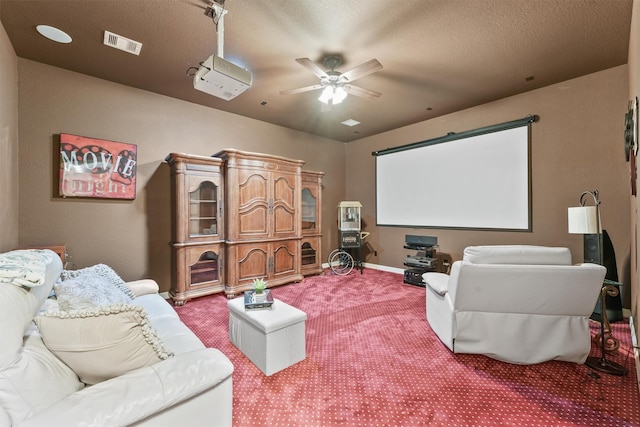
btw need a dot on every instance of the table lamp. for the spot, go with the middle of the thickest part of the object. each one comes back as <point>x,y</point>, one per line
<point>586,220</point>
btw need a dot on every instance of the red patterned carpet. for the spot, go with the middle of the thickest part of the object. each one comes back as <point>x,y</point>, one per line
<point>373,360</point>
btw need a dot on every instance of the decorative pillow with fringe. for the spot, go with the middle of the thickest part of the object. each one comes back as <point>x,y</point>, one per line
<point>103,342</point>
<point>88,290</point>
<point>101,270</point>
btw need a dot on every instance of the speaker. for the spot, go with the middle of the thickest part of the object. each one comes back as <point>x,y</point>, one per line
<point>591,249</point>
<point>614,304</point>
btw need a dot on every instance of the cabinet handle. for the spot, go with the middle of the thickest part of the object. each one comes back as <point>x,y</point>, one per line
<point>271,206</point>
<point>270,264</point>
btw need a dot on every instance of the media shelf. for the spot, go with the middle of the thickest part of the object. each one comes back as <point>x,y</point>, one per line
<point>424,260</point>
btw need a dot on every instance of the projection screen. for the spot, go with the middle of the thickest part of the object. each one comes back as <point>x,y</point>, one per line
<point>477,179</point>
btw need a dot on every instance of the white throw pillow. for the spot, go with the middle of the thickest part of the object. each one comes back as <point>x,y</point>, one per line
<point>101,270</point>
<point>88,290</point>
<point>102,343</point>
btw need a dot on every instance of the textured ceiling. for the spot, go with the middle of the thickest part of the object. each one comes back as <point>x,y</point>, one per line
<point>439,56</point>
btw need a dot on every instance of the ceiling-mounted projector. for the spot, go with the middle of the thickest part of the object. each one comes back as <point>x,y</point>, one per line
<point>221,78</point>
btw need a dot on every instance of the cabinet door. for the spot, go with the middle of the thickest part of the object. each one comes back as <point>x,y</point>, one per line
<point>266,205</point>
<point>253,204</point>
<point>285,259</point>
<point>203,199</point>
<point>284,212</point>
<point>310,224</point>
<point>204,266</point>
<point>198,272</point>
<point>311,195</point>
<point>310,255</point>
<point>277,262</point>
<point>246,262</point>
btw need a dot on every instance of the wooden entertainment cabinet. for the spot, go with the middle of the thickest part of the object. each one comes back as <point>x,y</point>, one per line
<point>239,216</point>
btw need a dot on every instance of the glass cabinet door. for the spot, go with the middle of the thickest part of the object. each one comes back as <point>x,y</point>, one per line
<point>203,209</point>
<point>308,210</point>
<point>308,254</point>
<point>205,270</point>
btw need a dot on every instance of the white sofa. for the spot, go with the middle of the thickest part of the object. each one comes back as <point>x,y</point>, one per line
<point>192,387</point>
<point>519,304</point>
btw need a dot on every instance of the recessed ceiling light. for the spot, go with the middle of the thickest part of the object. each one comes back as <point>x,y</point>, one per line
<point>52,33</point>
<point>351,122</point>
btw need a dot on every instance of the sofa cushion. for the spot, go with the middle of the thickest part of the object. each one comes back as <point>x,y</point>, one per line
<point>103,342</point>
<point>101,270</point>
<point>88,290</point>
<point>36,380</point>
<point>517,254</point>
<point>175,335</point>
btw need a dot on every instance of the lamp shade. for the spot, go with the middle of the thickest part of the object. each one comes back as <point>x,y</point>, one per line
<point>583,220</point>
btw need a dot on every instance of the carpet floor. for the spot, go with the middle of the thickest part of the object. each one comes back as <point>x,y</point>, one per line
<point>373,360</point>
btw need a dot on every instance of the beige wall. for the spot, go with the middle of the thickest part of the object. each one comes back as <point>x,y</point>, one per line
<point>133,236</point>
<point>576,145</point>
<point>8,144</point>
<point>634,91</point>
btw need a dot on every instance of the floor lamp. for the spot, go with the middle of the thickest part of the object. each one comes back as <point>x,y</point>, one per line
<point>586,220</point>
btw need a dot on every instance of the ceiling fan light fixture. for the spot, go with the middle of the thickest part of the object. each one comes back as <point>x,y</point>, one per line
<point>333,94</point>
<point>339,95</point>
<point>327,94</point>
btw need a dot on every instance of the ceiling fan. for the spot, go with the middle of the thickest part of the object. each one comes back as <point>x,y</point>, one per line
<point>337,85</point>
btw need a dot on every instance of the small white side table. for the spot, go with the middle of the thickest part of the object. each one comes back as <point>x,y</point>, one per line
<point>273,339</point>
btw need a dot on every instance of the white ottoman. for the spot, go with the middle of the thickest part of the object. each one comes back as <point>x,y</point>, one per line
<point>272,339</point>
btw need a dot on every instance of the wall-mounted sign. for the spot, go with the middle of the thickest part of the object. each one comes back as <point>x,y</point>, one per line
<point>91,167</point>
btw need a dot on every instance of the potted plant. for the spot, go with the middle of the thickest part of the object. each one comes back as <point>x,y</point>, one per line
<point>259,287</point>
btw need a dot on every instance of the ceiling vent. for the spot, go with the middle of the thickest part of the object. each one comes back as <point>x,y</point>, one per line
<point>122,43</point>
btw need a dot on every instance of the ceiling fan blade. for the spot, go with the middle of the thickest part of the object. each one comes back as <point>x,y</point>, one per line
<point>362,70</point>
<point>362,92</point>
<point>311,66</point>
<point>300,89</point>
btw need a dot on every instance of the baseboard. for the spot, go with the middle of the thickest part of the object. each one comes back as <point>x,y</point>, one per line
<point>375,267</point>
<point>165,295</point>
<point>384,268</point>
<point>636,350</point>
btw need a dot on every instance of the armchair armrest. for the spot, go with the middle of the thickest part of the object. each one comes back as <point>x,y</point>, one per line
<point>140,393</point>
<point>437,282</point>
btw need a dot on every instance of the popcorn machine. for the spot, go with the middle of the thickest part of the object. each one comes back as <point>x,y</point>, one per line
<point>341,260</point>
<point>349,224</point>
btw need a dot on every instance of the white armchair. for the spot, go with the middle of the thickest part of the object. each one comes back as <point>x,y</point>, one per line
<point>519,304</point>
